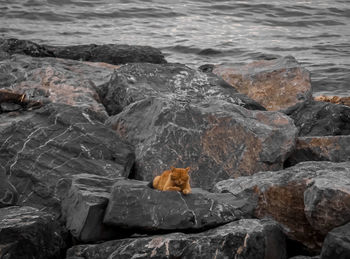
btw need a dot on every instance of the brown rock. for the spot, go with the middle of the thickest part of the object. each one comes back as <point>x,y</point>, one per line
<point>308,199</point>
<point>322,148</point>
<point>278,85</point>
<point>333,99</point>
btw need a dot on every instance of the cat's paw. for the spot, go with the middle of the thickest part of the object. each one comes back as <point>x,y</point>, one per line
<point>185,191</point>
<point>173,188</point>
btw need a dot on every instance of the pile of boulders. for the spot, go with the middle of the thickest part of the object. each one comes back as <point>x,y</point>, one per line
<point>84,129</point>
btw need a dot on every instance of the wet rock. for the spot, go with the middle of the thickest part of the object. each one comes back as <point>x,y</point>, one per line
<point>176,82</point>
<point>327,148</point>
<point>108,53</point>
<point>8,193</point>
<point>217,139</point>
<point>240,239</point>
<point>134,205</point>
<point>54,80</point>
<point>337,243</point>
<point>29,233</point>
<point>40,147</point>
<point>84,207</point>
<point>278,85</point>
<point>322,119</point>
<point>308,199</point>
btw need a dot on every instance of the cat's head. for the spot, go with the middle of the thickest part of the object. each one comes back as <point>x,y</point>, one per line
<point>179,175</point>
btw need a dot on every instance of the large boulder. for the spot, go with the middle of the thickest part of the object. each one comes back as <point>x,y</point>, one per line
<point>55,80</point>
<point>27,232</point>
<point>322,119</point>
<point>84,206</point>
<point>108,53</point>
<point>134,205</point>
<point>248,238</point>
<point>181,117</point>
<point>308,199</point>
<point>279,84</point>
<point>320,148</point>
<point>337,243</point>
<point>40,147</point>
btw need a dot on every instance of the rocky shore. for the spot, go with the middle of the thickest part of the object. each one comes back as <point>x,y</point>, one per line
<point>84,129</point>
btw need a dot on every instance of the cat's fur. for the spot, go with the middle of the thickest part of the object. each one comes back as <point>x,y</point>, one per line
<point>175,179</point>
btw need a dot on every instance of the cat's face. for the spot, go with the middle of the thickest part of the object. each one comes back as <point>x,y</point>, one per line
<point>179,175</point>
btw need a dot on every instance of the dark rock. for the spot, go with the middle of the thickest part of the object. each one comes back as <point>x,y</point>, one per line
<point>8,193</point>
<point>84,208</point>
<point>27,233</point>
<point>41,147</point>
<point>176,82</point>
<point>322,119</point>
<point>337,243</point>
<point>108,53</point>
<point>53,80</point>
<point>217,139</point>
<point>305,257</point>
<point>278,85</point>
<point>308,200</point>
<point>240,239</point>
<point>9,107</point>
<point>134,205</point>
<point>327,148</point>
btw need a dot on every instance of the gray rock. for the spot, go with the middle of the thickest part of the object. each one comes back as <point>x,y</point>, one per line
<point>322,119</point>
<point>41,147</point>
<point>8,193</point>
<point>217,139</point>
<point>29,233</point>
<point>322,148</point>
<point>308,200</point>
<point>134,205</point>
<point>337,243</point>
<point>108,53</point>
<point>240,239</point>
<point>84,207</point>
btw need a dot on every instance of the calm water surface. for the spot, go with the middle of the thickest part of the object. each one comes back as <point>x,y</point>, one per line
<point>196,32</point>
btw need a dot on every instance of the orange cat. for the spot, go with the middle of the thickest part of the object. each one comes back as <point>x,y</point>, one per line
<point>176,179</point>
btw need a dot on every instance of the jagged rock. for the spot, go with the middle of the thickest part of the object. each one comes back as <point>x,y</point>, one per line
<point>308,199</point>
<point>217,139</point>
<point>54,80</point>
<point>333,99</point>
<point>322,119</point>
<point>176,82</point>
<point>8,193</point>
<point>27,232</point>
<point>134,205</point>
<point>278,85</point>
<point>327,148</point>
<point>178,116</point>
<point>248,239</point>
<point>84,207</point>
<point>108,53</point>
<point>337,243</point>
<point>40,147</point>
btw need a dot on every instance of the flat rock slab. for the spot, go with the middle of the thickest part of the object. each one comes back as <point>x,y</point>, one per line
<point>134,205</point>
<point>309,199</point>
<point>26,232</point>
<point>337,243</point>
<point>55,80</point>
<point>108,53</point>
<point>41,147</point>
<point>217,139</point>
<point>322,148</point>
<point>322,119</point>
<point>84,208</point>
<point>278,85</point>
<point>251,239</point>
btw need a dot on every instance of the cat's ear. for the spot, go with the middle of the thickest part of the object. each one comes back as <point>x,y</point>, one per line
<point>188,169</point>
<point>172,168</point>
